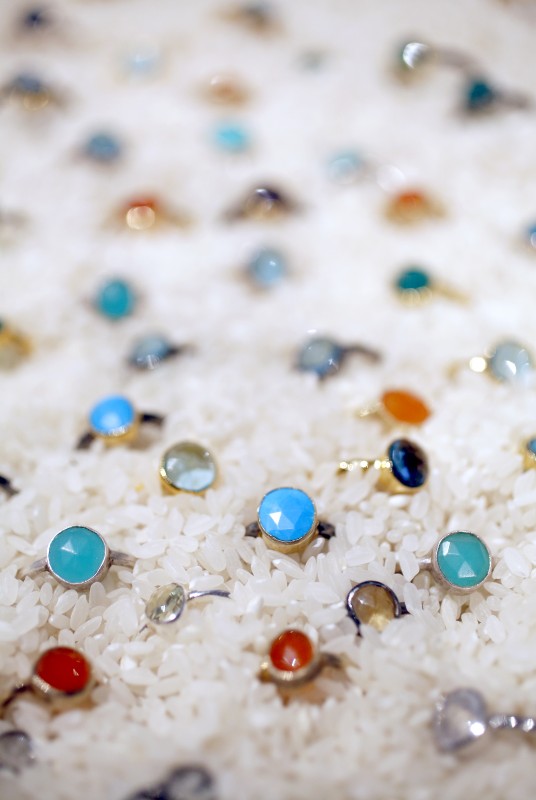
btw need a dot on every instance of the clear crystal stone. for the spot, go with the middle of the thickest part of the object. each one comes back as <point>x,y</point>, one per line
<point>16,750</point>
<point>166,604</point>
<point>460,719</point>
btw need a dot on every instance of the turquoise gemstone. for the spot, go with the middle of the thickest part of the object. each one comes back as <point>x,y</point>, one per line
<point>413,280</point>
<point>115,299</point>
<point>463,559</point>
<point>75,555</point>
<point>232,138</point>
<point>480,96</point>
<point>531,446</point>
<point>103,147</point>
<point>148,352</point>
<point>188,467</point>
<point>511,361</point>
<point>320,355</point>
<point>408,463</point>
<point>112,416</point>
<point>267,267</point>
<point>346,167</point>
<point>287,515</point>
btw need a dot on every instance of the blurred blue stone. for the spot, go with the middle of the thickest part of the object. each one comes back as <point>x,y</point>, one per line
<point>142,60</point>
<point>346,167</point>
<point>231,137</point>
<point>115,299</point>
<point>103,147</point>
<point>36,18</point>
<point>320,355</point>
<point>112,416</point>
<point>27,83</point>
<point>480,95</point>
<point>149,351</point>
<point>511,362</point>
<point>267,267</point>
<point>531,235</point>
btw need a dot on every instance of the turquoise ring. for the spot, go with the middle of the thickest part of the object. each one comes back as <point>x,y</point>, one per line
<point>78,556</point>
<point>114,420</point>
<point>460,561</point>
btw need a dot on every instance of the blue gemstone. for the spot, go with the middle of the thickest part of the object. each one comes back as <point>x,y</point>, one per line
<point>112,416</point>
<point>346,167</point>
<point>320,355</point>
<point>531,446</point>
<point>511,361</point>
<point>287,515</point>
<point>75,555</point>
<point>409,463</point>
<point>142,61</point>
<point>115,299</point>
<point>103,147</point>
<point>148,352</point>
<point>232,138</point>
<point>36,18</point>
<point>267,267</point>
<point>479,95</point>
<point>413,280</point>
<point>531,235</point>
<point>27,83</point>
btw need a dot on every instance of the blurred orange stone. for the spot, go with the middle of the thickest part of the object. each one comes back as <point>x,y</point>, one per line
<point>405,407</point>
<point>291,650</point>
<point>64,669</point>
<point>411,206</point>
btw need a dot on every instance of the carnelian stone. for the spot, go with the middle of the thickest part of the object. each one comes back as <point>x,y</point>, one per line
<point>64,669</point>
<point>291,650</point>
<point>410,206</point>
<point>405,407</point>
<point>143,202</point>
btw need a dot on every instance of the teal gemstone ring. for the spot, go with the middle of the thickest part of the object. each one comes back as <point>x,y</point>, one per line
<point>78,556</point>
<point>460,561</point>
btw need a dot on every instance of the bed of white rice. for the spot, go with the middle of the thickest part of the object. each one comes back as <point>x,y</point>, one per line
<point>193,696</point>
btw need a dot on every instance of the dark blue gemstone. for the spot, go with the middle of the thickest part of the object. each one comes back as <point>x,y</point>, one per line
<point>27,83</point>
<point>479,95</point>
<point>36,18</point>
<point>409,463</point>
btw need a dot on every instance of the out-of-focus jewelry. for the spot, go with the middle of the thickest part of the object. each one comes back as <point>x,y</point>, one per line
<point>373,603</point>
<point>416,286</point>
<point>507,362</point>
<point>398,407</point>
<point>403,470</point>
<point>325,356</point>
<point>114,420</point>
<point>187,467</point>
<point>148,352</point>
<point>14,346</point>
<point>263,203</point>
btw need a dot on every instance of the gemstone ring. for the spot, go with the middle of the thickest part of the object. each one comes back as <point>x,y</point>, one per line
<point>262,203</point>
<point>461,561</point>
<point>294,661</point>
<point>150,351</point>
<point>325,356</point>
<point>398,407</point>
<point>79,556</point>
<point>187,467</point>
<point>287,521</point>
<point>415,286</point>
<point>114,420</point>
<point>373,603</point>
<point>147,212</point>
<point>167,603</point>
<point>507,362</point>
<point>403,470</point>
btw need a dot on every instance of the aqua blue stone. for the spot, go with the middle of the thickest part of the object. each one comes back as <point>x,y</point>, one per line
<point>320,355</point>
<point>531,446</point>
<point>413,280</point>
<point>149,351</point>
<point>463,559</point>
<point>479,95</point>
<point>531,235</point>
<point>103,147</point>
<point>112,416</point>
<point>27,83</point>
<point>346,167</point>
<point>267,267</point>
<point>286,515</point>
<point>115,299</point>
<point>511,362</point>
<point>232,138</point>
<point>408,463</point>
<point>75,555</point>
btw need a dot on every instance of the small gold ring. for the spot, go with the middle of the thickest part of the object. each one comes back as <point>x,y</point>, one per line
<point>403,470</point>
<point>293,661</point>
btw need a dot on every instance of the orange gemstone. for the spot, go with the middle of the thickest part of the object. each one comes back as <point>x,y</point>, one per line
<point>291,650</point>
<point>405,407</point>
<point>143,202</point>
<point>64,669</point>
<point>411,206</point>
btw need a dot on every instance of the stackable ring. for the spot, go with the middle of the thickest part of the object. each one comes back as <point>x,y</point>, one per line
<point>150,351</point>
<point>147,212</point>
<point>263,203</point>
<point>403,470</point>
<point>507,362</point>
<point>114,420</point>
<point>325,356</point>
<point>187,467</point>
<point>287,521</point>
<point>373,603</point>
<point>61,676</point>
<point>78,556</point>
<point>166,604</point>
<point>14,346</point>
<point>415,286</point>
<point>293,661</point>
<point>460,561</point>
<point>398,407</point>
<point>461,718</point>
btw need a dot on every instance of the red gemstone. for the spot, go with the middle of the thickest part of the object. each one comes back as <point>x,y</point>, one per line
<point>143,202</point>
<point>292,650</point>
<point>64,669</point>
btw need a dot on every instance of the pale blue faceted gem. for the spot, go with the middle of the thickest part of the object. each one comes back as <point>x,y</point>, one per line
<point>75,555</point>
<point>320,355</point>
<point>346,167</point>
<point>267,267</point>
<point>148,352</point>
<point>511,361</point>
<point>103,147</point>
<point>232,138</point>
<point>112,416</point>
<point>287,514</point>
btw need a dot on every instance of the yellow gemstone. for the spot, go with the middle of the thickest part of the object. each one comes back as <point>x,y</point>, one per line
<point>373,605</point>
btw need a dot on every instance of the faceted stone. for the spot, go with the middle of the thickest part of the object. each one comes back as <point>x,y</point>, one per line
<point>411,206</point>
<point>148,352</point>
<point>511,361</point>
<point>463,559</point>
<point>76,554</point>
<point>413,280</point>
<point>115,299</point>
<point>373,605</point>
<point>479,96</point>
<point>320,355</point>
<point>409,463</point>
<point>459,720</point>
<point>231,138</point>
<point>346,167</point>
<point>188,467</point>
<point>16,750</point>
<point>64,669</point>
<point>103,147</point>
<point>112,416</point>
<point>405,407</point>
<point>287,515</point>
<point>267,267</point>
<point>291,650</point>
<point>166,604</point>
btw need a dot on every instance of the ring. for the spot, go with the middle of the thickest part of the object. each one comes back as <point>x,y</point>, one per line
<point>16,750</point>
<point>7,487</point>
<point>146,212</point>
<point>294,661</point>
<point>14,346</point>
<point>462,717</point>
<point>461,561</point>
<point>61,676</point>
<point>149,351</point>
<point>480,96</point>
<point>412,206</point>
<point>287,521</point>
<point>262,204</point>
<point>325,356</point>
<point>102,148</point>
<point>415,286</point>
<point>398,406</point>
<point>31,92</point>
<point>266,268</point>
<point>507,362</point>
<point>403,470</point>
<point>413,56</point>
<point>166,604</point>
<point>79,556</point>
<point>225,90</point>
<point>373,603</point>
<point>187,467</point>
<point>115,299</point>
<point>115,421</point>
<point>185,783</point>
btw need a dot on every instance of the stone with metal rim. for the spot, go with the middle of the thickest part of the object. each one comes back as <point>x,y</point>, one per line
<point>294,661</point>
<point>507,362</point>
<point>114,420</point>
<point>373,603</point>
<point>403,470</point>
<point>325,356</point>
<point>187,467</point>
<point>166,605</point>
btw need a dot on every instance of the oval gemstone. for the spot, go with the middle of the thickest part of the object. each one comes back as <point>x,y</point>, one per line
<point>166,604</point>
<point>413,280</point>
<point>463,559</point>
<point>232,138</point>
<point>103,147</point>
<point>291,650</point>
<point>148,352</point>
<point>112,416</point>
<point>405,407</point>
<point>76,554</point>
<point>411,206</point>
<point>510,361</point>
<point>188,467</point>
<point>409,463</point>
<point>267,267</point>
<point>115,299</point>
<point>373,605</point>
<point>141,213</point>
<point>287,515</point>
<point>320,355</point>
<point>64,669</point>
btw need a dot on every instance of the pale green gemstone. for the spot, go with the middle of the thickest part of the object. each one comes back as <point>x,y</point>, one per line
<point>166,604</point>
<point>188,467</point>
